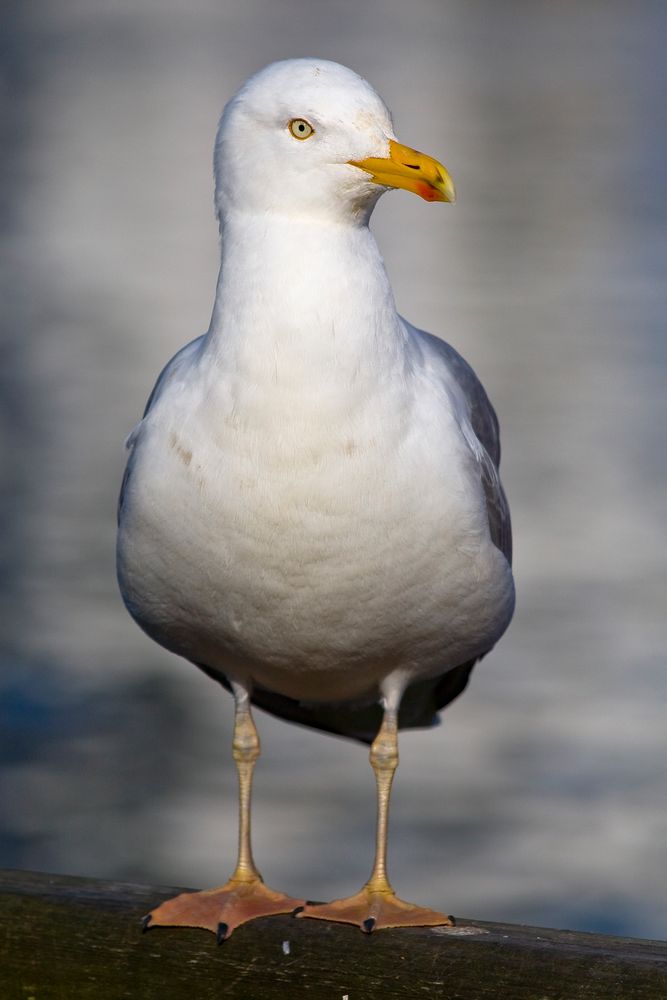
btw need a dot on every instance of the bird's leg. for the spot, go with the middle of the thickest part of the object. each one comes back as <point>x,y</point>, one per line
<point>244,896</point>
<point>246,751</point>
<point>384,761</point>
<point>377,905</point>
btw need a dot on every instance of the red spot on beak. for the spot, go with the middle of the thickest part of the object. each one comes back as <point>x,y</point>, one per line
<point>426,192</point>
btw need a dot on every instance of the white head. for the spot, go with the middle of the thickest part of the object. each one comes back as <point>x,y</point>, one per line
<point>311,137</point>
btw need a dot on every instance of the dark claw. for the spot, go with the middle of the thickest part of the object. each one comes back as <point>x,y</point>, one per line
<point>368,925</point>
<point>297,910</point>
<point>221,932</point>
<point>146,922</point>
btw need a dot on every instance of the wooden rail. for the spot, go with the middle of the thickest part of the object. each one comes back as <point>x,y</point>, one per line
<point>73,938</point>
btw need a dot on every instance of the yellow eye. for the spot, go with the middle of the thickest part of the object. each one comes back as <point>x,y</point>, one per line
<point>300,128</point>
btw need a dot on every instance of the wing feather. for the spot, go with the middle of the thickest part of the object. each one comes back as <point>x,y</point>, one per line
<point>166,376</point>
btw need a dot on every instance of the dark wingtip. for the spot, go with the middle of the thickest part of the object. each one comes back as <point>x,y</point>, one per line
<point>146,922</point>
<point>297,910</point>
<point>368,925</point>
<point>221,932</point>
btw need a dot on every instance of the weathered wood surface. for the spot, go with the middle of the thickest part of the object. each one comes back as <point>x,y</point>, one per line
<point>70,938</point>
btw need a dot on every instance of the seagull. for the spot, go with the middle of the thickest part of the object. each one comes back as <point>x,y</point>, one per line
<point>311,510</point>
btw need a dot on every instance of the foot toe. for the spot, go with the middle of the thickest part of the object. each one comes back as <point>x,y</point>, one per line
<point>221,910</point>
<point>371,911</point>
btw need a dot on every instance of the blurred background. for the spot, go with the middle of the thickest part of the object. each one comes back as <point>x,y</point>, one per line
<point>542,796</point>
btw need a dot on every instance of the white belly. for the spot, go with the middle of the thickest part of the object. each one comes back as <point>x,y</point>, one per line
<point>316,562</point>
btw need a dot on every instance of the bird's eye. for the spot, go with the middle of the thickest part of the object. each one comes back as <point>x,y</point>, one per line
<point>300,128</point>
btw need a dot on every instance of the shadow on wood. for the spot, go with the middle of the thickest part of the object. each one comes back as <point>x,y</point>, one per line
<point>72,938</point>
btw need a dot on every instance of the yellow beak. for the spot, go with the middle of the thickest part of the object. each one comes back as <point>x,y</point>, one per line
<point>406,168</point>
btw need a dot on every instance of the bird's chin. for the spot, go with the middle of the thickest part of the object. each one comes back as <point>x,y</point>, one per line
<point>359,200</point>
<point>362,207</point>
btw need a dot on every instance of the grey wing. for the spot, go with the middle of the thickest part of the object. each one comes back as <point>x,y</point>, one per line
<point>171,368</point>
<point>166,376</point>
<point>485,425</point>
<point>422,702</point>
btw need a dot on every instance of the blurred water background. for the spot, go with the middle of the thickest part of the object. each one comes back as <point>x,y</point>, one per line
<point>542,797</point>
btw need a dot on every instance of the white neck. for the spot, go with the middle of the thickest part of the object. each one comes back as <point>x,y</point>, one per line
<point>298,299</point>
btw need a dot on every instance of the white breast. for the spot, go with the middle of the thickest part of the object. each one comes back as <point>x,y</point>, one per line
<point>316,550</point>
